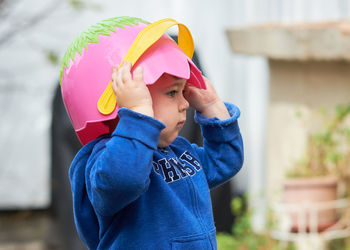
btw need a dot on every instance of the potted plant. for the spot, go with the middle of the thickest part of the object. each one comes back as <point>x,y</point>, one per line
<point>323,169</point>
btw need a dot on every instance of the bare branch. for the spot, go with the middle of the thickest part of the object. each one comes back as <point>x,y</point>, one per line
<point>5,9</point>
<point>34,20</point>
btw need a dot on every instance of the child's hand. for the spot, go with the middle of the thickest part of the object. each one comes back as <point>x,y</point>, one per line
<point>206,101</point>
<point>131,92</point>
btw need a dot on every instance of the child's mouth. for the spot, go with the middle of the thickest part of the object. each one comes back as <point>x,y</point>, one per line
<point>180,124</point>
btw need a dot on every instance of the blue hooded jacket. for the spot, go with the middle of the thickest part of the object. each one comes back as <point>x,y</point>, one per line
<point>129,194</point>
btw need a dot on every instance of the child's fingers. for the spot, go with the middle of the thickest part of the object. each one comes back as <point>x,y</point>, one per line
<point>210,86</point>
<point>114,73</point>
<point>125,72</point>
<point>190,91</point>
<point>138,74</point>
<point>119,80</point>
<point>114,78</point>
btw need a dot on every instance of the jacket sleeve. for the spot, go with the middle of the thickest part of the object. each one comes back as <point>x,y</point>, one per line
<point>119,167</point>
<point>222,152</point>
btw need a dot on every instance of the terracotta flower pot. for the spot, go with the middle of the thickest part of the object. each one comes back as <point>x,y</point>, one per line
<point>312,191</point>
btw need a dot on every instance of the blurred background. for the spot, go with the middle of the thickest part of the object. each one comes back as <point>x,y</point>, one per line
<point>284,63</point>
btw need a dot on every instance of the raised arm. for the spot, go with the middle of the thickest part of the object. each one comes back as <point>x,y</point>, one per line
<point>119,167</point>
<point>222,154</point>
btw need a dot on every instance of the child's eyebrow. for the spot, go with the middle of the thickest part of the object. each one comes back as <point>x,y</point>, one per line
<point>177,79</point>
<point>178,84</point>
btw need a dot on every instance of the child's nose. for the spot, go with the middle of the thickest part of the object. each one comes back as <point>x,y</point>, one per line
<point>183,103</point>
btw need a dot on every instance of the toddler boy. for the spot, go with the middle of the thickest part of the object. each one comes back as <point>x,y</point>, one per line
<point>143,186</point>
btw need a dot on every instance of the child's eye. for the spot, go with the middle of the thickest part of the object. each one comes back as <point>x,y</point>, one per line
<point>172,93</point>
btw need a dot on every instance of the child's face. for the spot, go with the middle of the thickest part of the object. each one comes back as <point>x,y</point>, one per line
<point>169,106</point>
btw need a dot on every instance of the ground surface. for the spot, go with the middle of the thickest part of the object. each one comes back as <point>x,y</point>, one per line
<point>27,230</point>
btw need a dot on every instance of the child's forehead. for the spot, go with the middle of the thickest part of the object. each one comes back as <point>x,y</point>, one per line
<point>167,80</point>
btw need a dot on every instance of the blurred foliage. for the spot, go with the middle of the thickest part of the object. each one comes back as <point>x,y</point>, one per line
<point>52,57</point>
<point>328,146</point>
<point>243,237</point>
<point>81,5</point>
<point>339,244</point>
<point>77,4</point>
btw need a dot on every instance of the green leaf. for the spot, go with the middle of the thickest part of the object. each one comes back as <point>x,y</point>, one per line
<point>52,57</point>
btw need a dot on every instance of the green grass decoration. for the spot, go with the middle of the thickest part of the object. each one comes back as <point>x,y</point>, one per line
<point>91,36</point>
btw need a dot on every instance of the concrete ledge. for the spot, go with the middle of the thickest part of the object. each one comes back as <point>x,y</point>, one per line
<point>314,41</point>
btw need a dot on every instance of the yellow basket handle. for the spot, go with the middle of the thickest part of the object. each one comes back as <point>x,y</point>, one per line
<point>148,36</point>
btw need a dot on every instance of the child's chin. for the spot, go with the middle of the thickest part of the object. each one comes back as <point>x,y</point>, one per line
<point>165,142</point>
